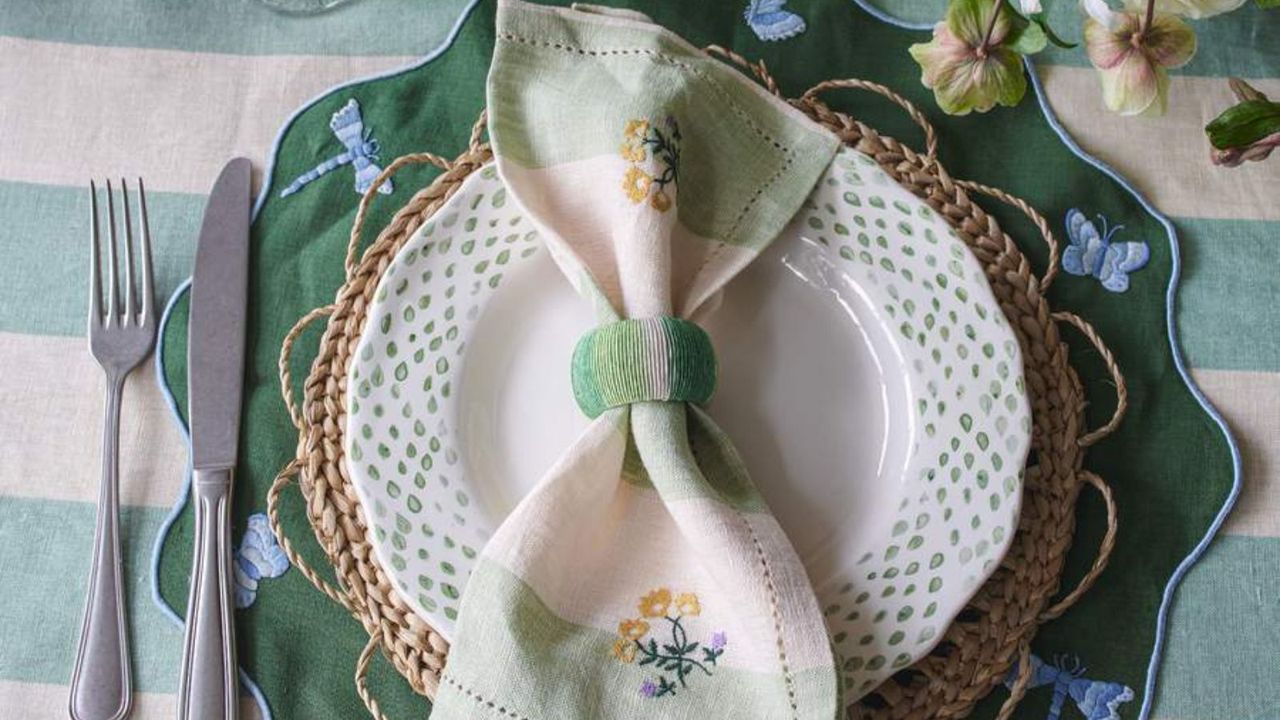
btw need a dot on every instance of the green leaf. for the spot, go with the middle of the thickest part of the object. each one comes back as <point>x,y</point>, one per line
<point>1243,124</point>
<point>1026,36</point>
<point>1040,19</point>
<point>1028,40</point>
<point>1268,3</point>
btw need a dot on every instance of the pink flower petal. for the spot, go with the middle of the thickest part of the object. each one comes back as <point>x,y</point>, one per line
<point>1133,86</point>
<point>1106,48</point>
<point>939,55</point>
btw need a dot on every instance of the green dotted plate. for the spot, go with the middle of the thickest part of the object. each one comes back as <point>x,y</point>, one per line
<point>868,378</point>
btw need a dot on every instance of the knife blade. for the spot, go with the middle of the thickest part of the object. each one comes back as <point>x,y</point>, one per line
<point>215,345</point>
<point>207,687</point>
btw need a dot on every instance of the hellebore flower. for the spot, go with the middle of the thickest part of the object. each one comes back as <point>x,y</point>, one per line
<point>1133,54</point>
<point>974,60</point>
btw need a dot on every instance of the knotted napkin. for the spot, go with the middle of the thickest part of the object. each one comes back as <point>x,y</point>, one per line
<point>643,577</point>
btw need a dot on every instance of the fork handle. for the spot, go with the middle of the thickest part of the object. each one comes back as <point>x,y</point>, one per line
<point>100,683</point>
<point>208,686</point>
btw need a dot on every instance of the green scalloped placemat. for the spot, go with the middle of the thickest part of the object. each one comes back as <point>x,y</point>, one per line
<point>1169,464</point>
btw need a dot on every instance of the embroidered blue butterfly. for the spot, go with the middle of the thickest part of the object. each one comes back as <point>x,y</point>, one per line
<point>770,22</point>
<point>1093,253</point>
<point>1096,700</point>
<point>258,557</point>
<point>361,153</point>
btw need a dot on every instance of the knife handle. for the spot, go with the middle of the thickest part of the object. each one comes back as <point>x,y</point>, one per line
<point>208,687</point>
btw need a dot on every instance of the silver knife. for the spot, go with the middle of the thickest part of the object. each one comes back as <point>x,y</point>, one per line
<point>208,688</point>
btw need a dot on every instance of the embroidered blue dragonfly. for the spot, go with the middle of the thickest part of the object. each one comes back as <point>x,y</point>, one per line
<point>361,153</point>
<point>771,22</point>
<point>1096,700</point>
<point>1092,252</point>
<point>257,558</point>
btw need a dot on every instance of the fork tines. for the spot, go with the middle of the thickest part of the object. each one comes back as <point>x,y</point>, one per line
<point>137,308</point>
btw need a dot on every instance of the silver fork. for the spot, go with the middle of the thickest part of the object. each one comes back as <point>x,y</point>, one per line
<point>121,335</point>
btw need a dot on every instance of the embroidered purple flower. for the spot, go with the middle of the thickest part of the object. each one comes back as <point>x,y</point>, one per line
<point>718,640</point>
<point>649,688</point>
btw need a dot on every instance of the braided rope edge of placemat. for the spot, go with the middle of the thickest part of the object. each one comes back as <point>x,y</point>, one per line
<point>992,634</point>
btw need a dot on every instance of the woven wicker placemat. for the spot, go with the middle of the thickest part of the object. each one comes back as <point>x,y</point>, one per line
<point>993,633</point>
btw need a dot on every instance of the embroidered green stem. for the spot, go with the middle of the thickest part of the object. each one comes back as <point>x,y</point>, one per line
<point>678,650</point>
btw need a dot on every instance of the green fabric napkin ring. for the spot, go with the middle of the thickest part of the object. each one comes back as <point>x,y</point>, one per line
<point>647,359</point>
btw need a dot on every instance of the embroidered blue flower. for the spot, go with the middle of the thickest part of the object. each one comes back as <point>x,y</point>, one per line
<point>1093,253</point>
<point>361,153</point>
<point>1096,700</point>
<point>771,22</point>
<point>258,557</point>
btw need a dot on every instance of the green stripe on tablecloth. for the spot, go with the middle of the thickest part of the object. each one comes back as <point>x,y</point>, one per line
<point>1239,43</point>
<point>1225,260</point>
<point>47,229</point>
<point>250,27</point>
<point>1228,265</point>
<point>45,549</point>
<point>1224,637</point>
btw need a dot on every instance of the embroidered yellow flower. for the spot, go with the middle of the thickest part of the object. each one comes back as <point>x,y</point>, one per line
<point>636,129</point>
<point>633,152</point>
<point>687,604</point>
<point>636,184</point>
<point>655,604</point>
<point>633,629</point>
<point>624,650</point>
<point>660,201</point>
<point>668,665</point>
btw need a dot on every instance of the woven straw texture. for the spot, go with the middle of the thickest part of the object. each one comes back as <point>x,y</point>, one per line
<point>989,638</point>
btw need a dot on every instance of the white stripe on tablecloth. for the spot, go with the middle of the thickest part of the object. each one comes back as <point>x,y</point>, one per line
<point>1248,400</point>
<point>72,112</point>
<point>52,392</point>
<point>1149,153</point>
<point>42,701</point>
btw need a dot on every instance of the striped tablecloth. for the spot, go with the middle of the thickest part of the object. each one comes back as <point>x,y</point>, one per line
<point>122,87</point>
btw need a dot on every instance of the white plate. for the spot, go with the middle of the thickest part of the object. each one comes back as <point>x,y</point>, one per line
<point>868,378</point>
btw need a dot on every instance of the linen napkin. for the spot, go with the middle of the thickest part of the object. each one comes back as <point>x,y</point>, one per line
<point>644,575</point>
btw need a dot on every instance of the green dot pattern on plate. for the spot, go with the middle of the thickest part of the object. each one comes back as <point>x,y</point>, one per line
<point>967,400</point>
<point>400,448</point>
